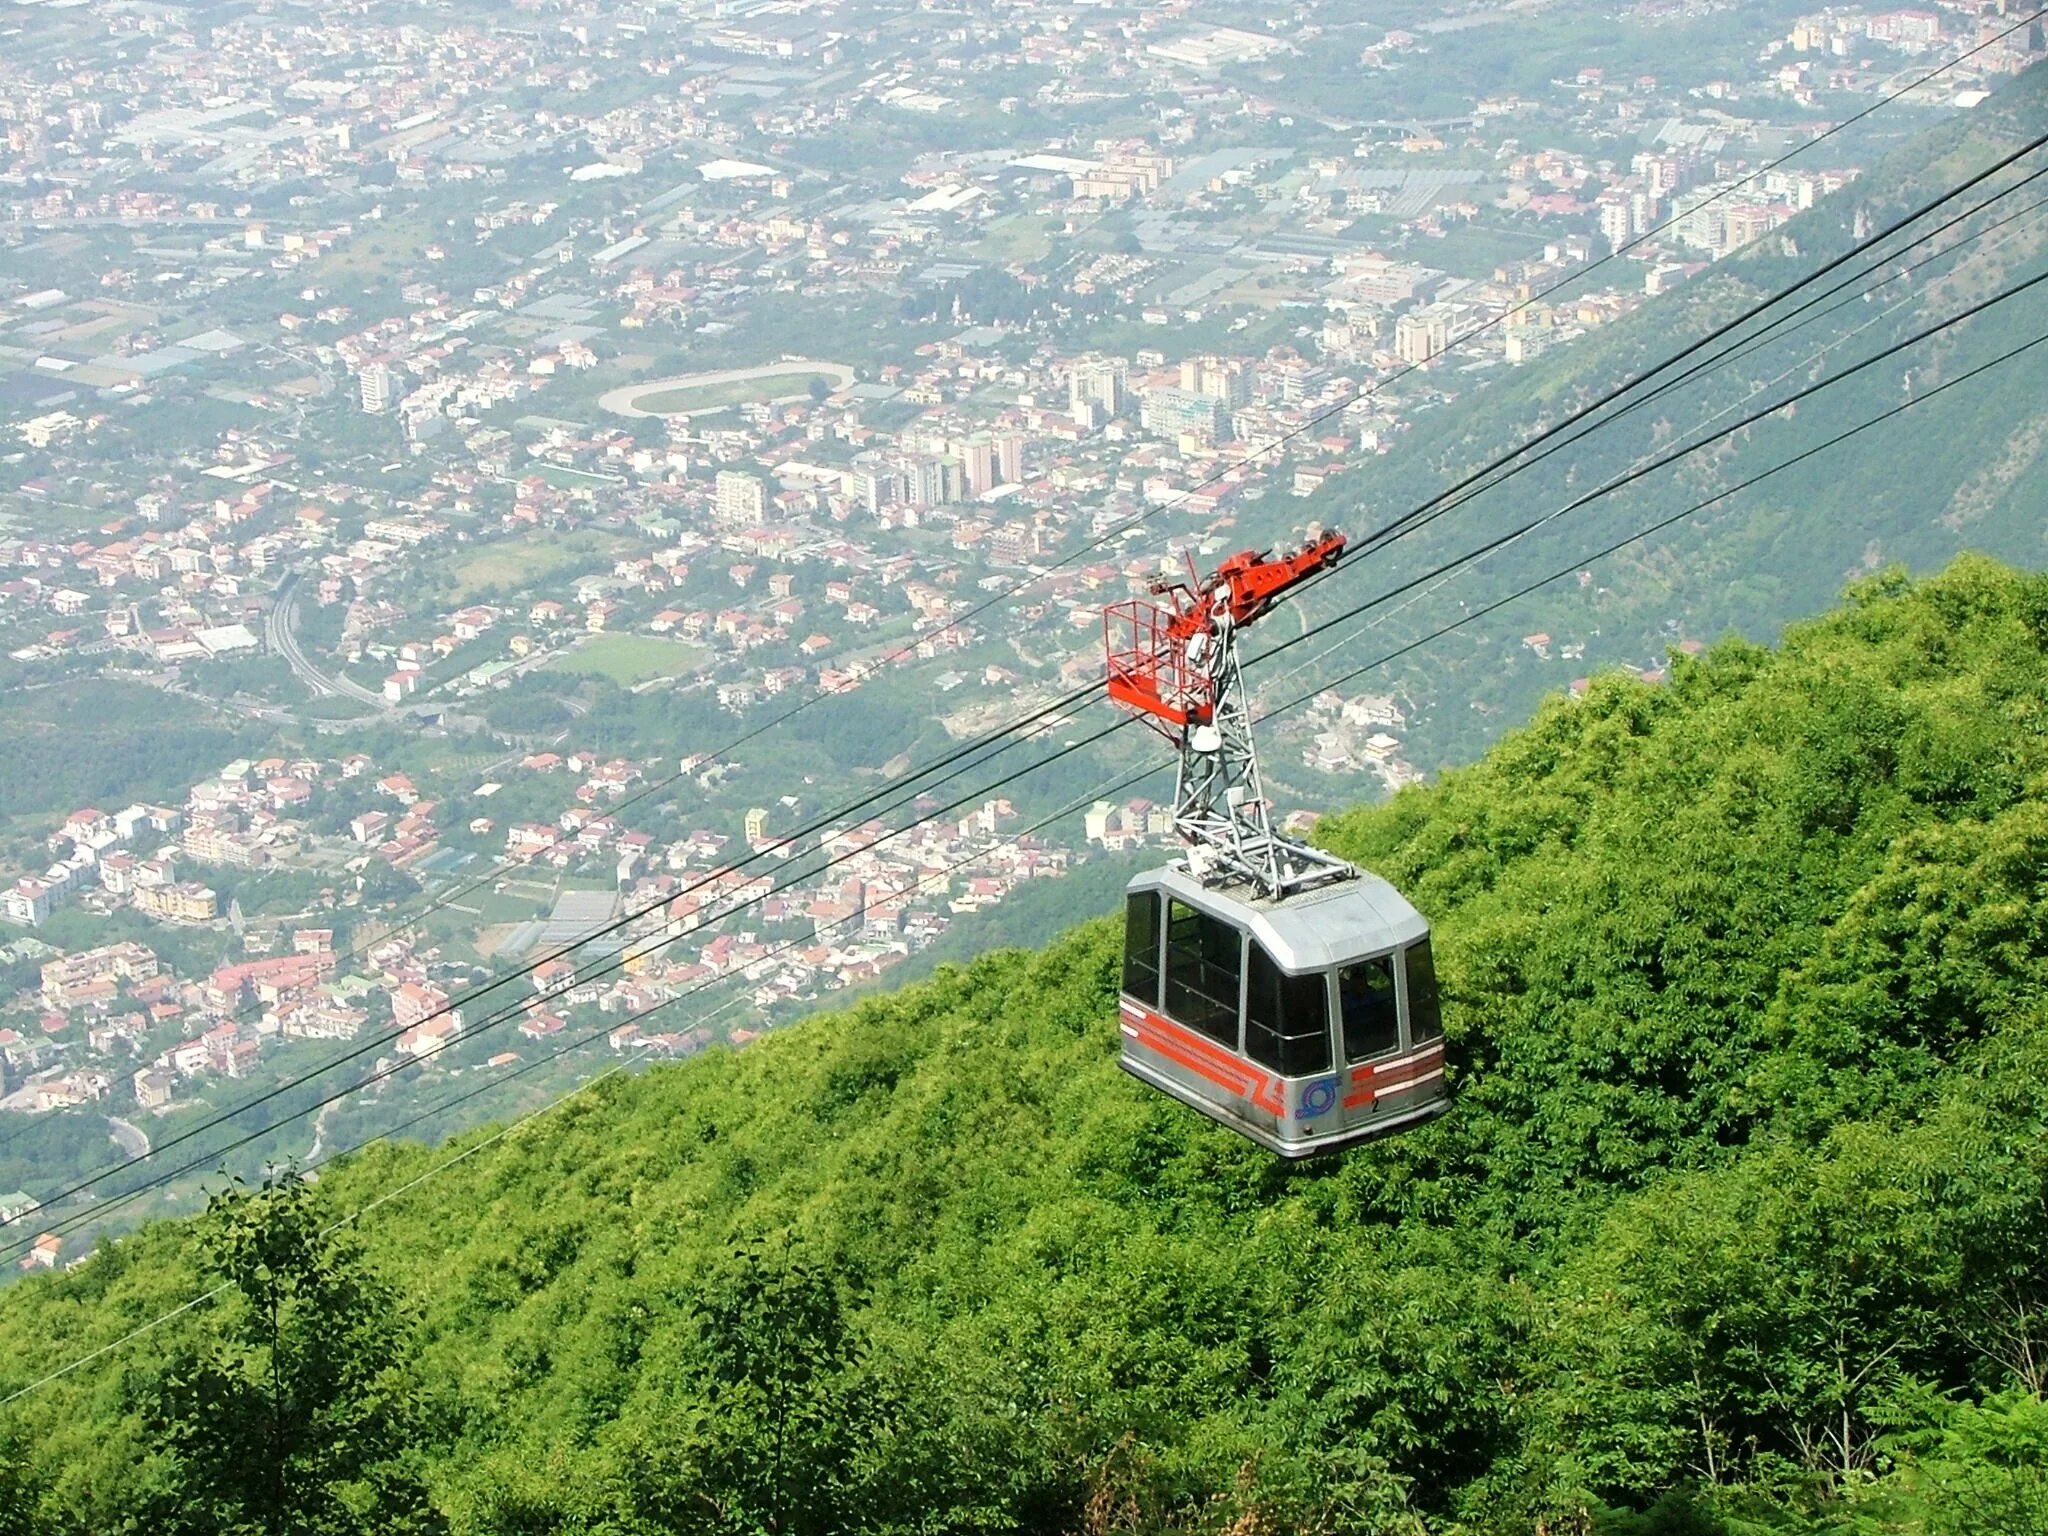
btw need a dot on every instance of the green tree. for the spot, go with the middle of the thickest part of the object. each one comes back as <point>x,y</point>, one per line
<point>1989,1474</point>
<point>298,1415</point>
<point>775,1444</point>
<point>1736,1225</point>
<point>16,1518</point>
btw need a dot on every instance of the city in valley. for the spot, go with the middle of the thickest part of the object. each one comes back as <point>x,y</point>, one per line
<point>480,484</point>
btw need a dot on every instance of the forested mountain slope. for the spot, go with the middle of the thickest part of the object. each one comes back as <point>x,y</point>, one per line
<point>1737,1223</point>
<point>1965,470</point>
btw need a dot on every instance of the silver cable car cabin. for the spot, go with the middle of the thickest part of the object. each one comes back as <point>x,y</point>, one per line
<point>1276,989</point>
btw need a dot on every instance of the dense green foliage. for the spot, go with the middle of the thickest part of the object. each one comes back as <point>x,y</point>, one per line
<point>1739,1221</point>
<point>76,745</point>
<point>1500,53</point>
<point>298,1417</point>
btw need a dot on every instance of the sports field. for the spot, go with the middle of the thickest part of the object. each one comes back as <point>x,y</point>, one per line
<point>791,378</point>
<point>527,561</point>
<point>629,659</point>
<point>713,397</point>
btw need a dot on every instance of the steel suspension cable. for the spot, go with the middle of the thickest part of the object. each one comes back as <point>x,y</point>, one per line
<point>1077,696</point>
<point>1128,779</point>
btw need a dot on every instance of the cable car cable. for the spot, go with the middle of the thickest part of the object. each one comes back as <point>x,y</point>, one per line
<point>1782,330</point>
<point>1078,695</point>
<point>1457,494</point>
<point>1673,455</point>
<point>1342,618</point>
<point>990,744</point>
<point>1420,516</point>
<point>1778,327</point>
<point>1655,229</point>
<point>503,1015</point>
<point>141,1329</point>
<point>582,1041</point>
<point>1599,492</point>
<point>1811,358</point>
<point>88,1214</point>
<point>1512,462</point>
<point>1653,528</point>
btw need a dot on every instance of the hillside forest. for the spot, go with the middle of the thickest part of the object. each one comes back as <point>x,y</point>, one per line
<point>1736,1225</point>
<point>1784,547</point>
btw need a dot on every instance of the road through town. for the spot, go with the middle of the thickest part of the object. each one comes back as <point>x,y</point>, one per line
<point>280,633</point>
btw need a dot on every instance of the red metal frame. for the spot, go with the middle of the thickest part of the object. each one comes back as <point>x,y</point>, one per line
<point>1148,664</point>
<point>1147,643</point>
<point>1255,580</point>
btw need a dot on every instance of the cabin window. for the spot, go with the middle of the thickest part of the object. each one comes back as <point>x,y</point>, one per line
<point>1425,1016</point>
<point>1141,947</point>
<point>1286,1018</point>
<point>1202,959</point>
<point>1372,1019</point>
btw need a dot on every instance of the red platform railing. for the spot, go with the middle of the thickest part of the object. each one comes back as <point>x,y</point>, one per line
<point>1149,669</point>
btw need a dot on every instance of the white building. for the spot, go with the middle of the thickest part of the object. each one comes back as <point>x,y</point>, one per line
<point>1422,334</point>
<point>742,499</point>
<point>375,382</point>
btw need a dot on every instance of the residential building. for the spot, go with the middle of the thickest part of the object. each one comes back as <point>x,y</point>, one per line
<point>153,1088</point>
<point>376,388</point>
<point>181,901</point>
<point>1096,390</point>
<point>1174,413</point>
<point>742,499</point>
<point>1422,334</point>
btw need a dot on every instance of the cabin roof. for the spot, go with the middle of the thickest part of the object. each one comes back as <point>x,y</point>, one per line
<point>1312,930</point>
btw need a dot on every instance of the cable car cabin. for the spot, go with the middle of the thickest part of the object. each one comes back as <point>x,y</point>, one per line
<point>1305,1024</point>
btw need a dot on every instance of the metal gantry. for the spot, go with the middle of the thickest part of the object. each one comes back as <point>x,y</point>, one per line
<point>1176,663</point>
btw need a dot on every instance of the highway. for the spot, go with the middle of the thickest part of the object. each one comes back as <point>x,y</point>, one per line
<point>129,1137</point>
<point>280,627</point>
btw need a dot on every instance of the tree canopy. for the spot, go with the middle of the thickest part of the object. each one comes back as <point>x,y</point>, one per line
<point>1736,1223</point>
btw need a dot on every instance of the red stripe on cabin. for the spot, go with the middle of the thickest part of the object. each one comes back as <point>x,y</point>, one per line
<point>1402,1076</point>
<point>1202,1056</point>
